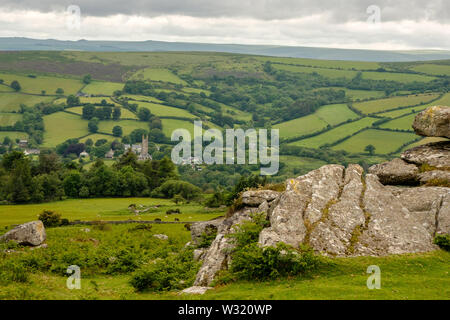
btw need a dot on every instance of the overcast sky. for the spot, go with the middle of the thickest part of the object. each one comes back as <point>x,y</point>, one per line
<point>402,24</point>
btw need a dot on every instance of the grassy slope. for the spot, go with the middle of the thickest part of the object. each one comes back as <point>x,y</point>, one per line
<point>335,114</point>
<point>392,103</point>
<point>102,87</point>
<point>300,126</point>
<point>165,111</point>
<point>12,101</point>
<point>384,141</point>
<point>61,126</point>
<point>335,134</point>
<point>103,209</point>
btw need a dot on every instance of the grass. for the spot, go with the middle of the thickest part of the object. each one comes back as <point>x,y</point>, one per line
<point>153,74</point>
<point>403,123</point>
<point>104,209</point>
<point>425,140</point>
<point>170,125</point>
<point>166,111</point>
<point>102,88</point>
<point>340,64</point>
<point>127,126</point>
<point>328,73</point>
<point>384,141</point>
<point>300,126</point>
<point>13,135</point>
<point>138,97</point>
<point>98,136</point>
<point>433,69</point>
<point>125,113</point>
<point>49,84</point>
<point>375,106</point>
<point>196,90</point>
<point>61,126</point>
<point>399,77</point>
<point>9,119</point>
<point>335,134</point>
<point>335,114</point>
<point>357,94</point>
<point>11,101</point>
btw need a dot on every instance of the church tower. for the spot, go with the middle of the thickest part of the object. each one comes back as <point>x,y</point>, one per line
<point>144,149</point>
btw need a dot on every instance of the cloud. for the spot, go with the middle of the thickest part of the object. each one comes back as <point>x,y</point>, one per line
<point>410,24</point>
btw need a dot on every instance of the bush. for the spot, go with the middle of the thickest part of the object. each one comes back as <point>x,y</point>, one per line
<point>13,271</point>
<point>252,262</point>
<point>207,238</point>
<point>174,272</point>
<point>443,241</point>
<point>50,218</point>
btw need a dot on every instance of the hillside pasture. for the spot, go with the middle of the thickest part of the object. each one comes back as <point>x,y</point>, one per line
<point>398,77</point>
<point>98,136</point>
<point>154,74</point>
<point>425,140</point>
<point>10,102</point>
<point>165,111</point>
<point>128,126</point>
<point>13,135</point>
<point>433,69</point>
<point>384,141</point>
<point>102,88</point>
<point>138,97</point>
<point>375,106</point>
<point>403,123</point>
<point>9,119</point>
<point>170,125</point>
<point>335,134</point>
<point>334,114</point>
<point>49,84</point>
<point>61,126</point>
<point>300,126</point>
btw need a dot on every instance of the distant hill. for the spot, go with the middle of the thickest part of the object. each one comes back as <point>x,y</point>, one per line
<point>266,50</point>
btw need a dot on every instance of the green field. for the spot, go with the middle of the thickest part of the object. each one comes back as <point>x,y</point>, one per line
<point>97,136</point>
<point>102,88</point>
<point>103,209</point>
<point>425,140</point>
<point>335,134</point>
<point>434,69</point>
<point>49,84</point>
<point>384,141</point>
<point>125,113</point>
<point>13,135</point>
<point>375,106</point>
<point>165,111</point>
<point>61,126</point>
<point>127,126</point>
<point>338,64</point>
<point>9,119</point>
<point>12,101</point>
<point>399,77</point>
<point>356,95</point>
<point>170,125</point>
<point>152,74</point>
<point>300,126</point>
<point>141,98</point>
<point>335,114</point>
<point>403,123</point>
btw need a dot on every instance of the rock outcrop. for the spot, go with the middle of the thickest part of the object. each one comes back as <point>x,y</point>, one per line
<point>341,211</point>
<point>433,122</point>
<point>435,154</point>
<point>395,172</point>
<point>31,234</point>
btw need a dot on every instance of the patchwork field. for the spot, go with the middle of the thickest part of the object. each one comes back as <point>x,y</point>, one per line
<point>403,123</point>
<point>11,101</point>
<point>102,88</point>
<point>7,119</point>
<point>61,126</point>
<point>127,126</point>
<point>438,70</point>
<point>335,114</point>
<point>384,141</point>
<point>165,111</point>
<point>335,134</point>
<point>375,106</point>
<point>13,135</point>
<point>152,74</point>
<point>356,95</point>
<point>300,126</point>
<point>49,84</point>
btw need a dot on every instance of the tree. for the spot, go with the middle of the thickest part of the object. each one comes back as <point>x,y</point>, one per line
<point>370,149</point>
<point>93,125</point>
<point>7,140</point>
<point>88,112</point>
<point>72,101</point>
<point>43,92</point>
<point>16,85</point>
<point>144,114</point>
<point>116,113</point>
<point>59,91</point>
<point>87,79</point>
<point>117,131</point>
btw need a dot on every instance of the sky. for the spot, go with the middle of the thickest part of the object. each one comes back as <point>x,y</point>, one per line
<point>354,24</point>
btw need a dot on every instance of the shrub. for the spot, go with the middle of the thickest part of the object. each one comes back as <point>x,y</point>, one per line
<point>443,241</point>
<point>174,272</point>
<point>13,271</point>
<point>207,238</point>
<point>101,225</point>
<point>50,218</point>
